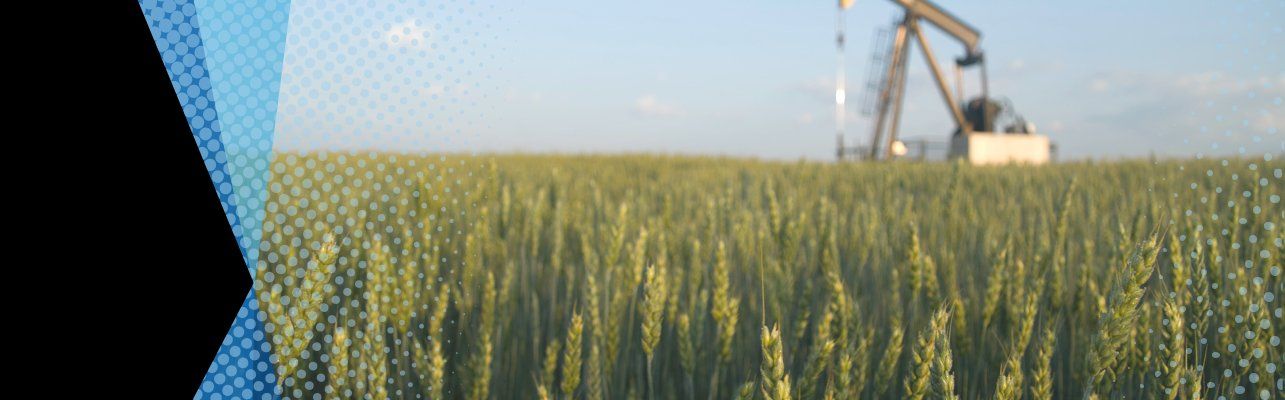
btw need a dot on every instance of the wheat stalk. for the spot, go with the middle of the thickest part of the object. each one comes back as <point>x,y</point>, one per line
<point>482,355</point>
<point>550,370</point>
<point>436,359</point>
<point>746,391</point>
<point>1009,386</point>
<point>1042,380</point>
<point>653,308</point>
<point>775,382</point>
<point>571,356</point>
<point>891,354</point>
<point>1173,349</point>
<point>943,361</point>
<point>1122,312</point>
<point>724,309</point>
<point>923,356</point>
<point>337,373</point>
<point>817,364</point>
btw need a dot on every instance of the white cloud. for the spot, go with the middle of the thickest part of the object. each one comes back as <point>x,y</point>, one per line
<point>649,106</point>
<point>1056,126</point>
<point>806,118</point>
<point>1099,85</point>
<point>408,33</point>
<point>1207,85</point>
<point>1137,111</point>
<point>1268,122</point>
<point>820,90</point>
<point>516,95</point>
<point>1017,64</point>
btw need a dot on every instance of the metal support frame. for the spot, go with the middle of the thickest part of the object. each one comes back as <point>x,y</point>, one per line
<point>899,95</point>
<point>892,91</point>
<point>891,96</point>
<point>889,87</point>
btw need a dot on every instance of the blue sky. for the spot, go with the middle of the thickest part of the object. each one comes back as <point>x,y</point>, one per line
<point>1103,79</point>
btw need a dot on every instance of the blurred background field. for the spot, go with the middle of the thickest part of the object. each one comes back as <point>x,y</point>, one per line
<point>636,276</point>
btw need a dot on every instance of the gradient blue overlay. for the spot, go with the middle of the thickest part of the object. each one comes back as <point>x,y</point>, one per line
<point>224,60</point>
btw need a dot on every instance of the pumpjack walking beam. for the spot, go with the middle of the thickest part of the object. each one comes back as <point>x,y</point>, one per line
<point>940,79</point>
<point>945,21</point>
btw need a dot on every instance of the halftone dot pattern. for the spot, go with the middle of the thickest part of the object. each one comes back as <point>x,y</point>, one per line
<point>235,63</point>
<point>174,28</point>
<point>244,47</point>
<point>1226,246</point>
<point>241,368</point>
<point>243,44</point>
<point>364,239</point>
<point>358,268</point>
<point>385,75</point>
<point>1224,253</point>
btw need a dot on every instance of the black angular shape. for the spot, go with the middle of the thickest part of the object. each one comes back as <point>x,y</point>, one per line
<point>142,223</point>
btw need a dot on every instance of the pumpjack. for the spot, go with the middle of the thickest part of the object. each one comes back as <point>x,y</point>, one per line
<point>975,137</point>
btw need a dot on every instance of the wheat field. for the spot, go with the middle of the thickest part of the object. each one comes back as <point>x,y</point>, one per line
<point>665,277</point>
